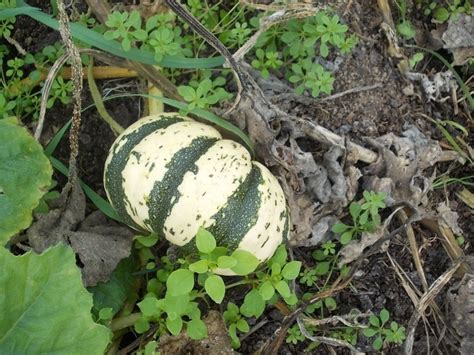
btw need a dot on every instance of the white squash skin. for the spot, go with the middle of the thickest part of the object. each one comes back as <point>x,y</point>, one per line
<point>154,152</point>
<point>267,234</point>
<point>205,193</point>
<point>200,194</point>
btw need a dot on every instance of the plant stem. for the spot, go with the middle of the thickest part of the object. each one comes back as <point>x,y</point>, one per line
<point>124,322</point>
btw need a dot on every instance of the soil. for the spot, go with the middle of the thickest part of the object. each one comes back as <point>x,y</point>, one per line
<point>366,113</point>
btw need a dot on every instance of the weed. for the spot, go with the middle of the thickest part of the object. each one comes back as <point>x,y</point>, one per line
<point>393,334</point>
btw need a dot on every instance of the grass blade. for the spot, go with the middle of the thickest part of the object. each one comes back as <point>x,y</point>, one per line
<point>102,204</point>
<point>97,40</point>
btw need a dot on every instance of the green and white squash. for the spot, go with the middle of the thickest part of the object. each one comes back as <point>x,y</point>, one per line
<point>171,175</point>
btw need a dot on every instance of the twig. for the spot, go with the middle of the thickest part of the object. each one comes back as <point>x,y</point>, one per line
<point>14,43</point>
<point>76,65</point>
<point>326,340</point>
<point>45,94</point>
<point>352,91</point>
<point>425,300</point>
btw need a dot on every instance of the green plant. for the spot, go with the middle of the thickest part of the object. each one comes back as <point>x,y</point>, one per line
<point>415,59</point>
<point>404,27</point>
<point>294,335</point>
<point>204,93</point>
<point>234,321</point>
<point>365,217</point>
<point>393,334</point>
<point>61,90</point>
<point>443,11</point>
<point>311,76</point>
<point>266,61</point>
<point>126,27</point>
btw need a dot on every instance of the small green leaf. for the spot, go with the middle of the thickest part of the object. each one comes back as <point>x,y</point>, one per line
<point>147,240</point>
<point>215,288</point>
<point>374,320</point>
<point>149,307</point>
<point>174,325</point>
<point>200,266</point>
<point>205,241</point>
<point>226,262</point>
<point>291,270</point>
<point>180,282</point>
<point>196,329</point>
<point>384,316</point>
<point>339,228</point>
<point>346,237</point>
<point>330,303</point>
<point>283,288</point>
<point>267,290</point>
<point>106,313</point>
<point>370,332</point>
<point>253,305</point>
<point>141,325</point>
<point>243,326</point>
<point>378,343</point>
<point>292,300</point>
<point>246,262</point>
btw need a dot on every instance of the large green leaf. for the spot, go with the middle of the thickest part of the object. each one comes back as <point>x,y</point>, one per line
<point>97,40</point>
<point>44,307</point>
<point>25,174</point>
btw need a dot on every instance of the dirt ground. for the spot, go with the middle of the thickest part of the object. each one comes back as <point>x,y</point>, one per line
<point>366,113</point>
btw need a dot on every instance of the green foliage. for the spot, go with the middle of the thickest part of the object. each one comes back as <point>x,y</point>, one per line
<point>383,334</point>
<point>235,322</point>
<point>442,11</point>
<point>365,217</point>
<point>125,27</point>
<point>26,175</point>
<point>294,335</point>
<point>47,305</point>
<point>404,27</point>
<point>204,93</point>
<point>266,61</point>
<point>415,59</point>
<point>310,76</point>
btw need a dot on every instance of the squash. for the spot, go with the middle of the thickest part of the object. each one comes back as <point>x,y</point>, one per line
<point>171,175</point>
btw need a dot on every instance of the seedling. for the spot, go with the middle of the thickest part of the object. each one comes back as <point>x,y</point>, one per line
<point>393,334</point>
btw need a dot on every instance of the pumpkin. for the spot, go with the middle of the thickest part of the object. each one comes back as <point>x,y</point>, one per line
<point>171,175</point>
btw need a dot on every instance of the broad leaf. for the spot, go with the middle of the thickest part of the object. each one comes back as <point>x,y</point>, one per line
<point>25,175</point>
<point>180,282</point>
<point>44,307</point>
<point>215,288</point>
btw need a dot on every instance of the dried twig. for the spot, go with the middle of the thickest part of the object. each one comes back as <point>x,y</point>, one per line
<point>425,301</point>
<point>76,65</point>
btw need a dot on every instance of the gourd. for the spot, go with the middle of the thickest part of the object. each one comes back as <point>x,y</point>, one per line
<point>171,175</point>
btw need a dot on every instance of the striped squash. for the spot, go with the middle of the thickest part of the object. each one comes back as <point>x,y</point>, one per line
<point>170,175</point>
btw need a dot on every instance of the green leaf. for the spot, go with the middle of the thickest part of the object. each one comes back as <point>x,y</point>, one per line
<point>200,266</point>
<point>205,241</point>
<point>346,237</point>
<point>378,343</point>
<point>174,325</point>
<point>246,262</point>
<point>147,240</point>
<point>46,308</point>
<point>384,316</point>
<point>95,39</point>
<point>370,332</point>
<point>117,290</point>
<point>330,303</point>
<point>196,329</point>
<point>291,270</point>
<point>141,325</point>
<point>253,305</point>
<point>283,289</point>
<point>339,228</point>
<point>267,290</point>
<point>243,326</point>
<point>180,282</point>
<point>374,320</point>
<point>106,313</point>
<point>226,262</point>
<point>215,288</point>
<point>149,306</point>
<point>406,30</point>
<point>25,175</point>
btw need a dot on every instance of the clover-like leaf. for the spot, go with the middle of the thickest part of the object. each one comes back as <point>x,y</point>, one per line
<point>46,304</point>
<point>24,178</point>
